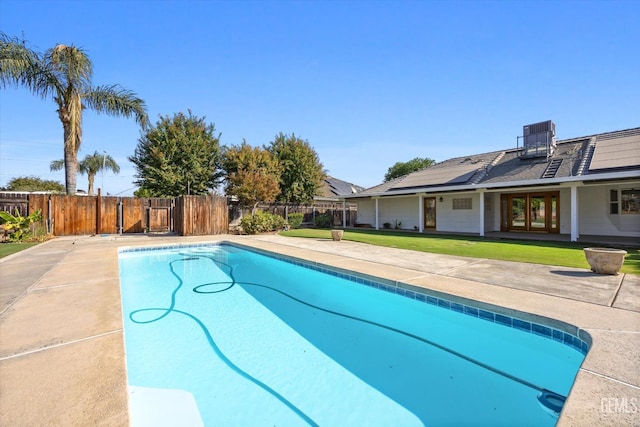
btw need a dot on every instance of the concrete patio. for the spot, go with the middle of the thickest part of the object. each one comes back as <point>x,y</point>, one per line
<point>61,341</point>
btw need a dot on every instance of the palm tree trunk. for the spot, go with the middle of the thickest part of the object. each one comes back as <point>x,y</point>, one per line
<point>91,180</point>
<point>70,161</point>
<point>71,118</point>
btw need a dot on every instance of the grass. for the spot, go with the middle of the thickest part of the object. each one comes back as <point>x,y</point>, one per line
<point>537,252</point>
<point>7,249</point>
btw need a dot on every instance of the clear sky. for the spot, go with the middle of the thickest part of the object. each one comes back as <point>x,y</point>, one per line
<point>367,83</point>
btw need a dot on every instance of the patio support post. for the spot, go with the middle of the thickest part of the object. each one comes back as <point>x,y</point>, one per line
<point>421,213</point>
<point>377,207</point>
<point>574,213</point>
<point>344,214</point>
<point>481,213</point>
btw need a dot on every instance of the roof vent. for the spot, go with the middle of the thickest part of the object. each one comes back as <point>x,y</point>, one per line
<point>538,140</point>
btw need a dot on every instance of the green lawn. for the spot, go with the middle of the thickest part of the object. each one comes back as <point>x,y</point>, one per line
<point>549,253</point>
<point>12,248</point>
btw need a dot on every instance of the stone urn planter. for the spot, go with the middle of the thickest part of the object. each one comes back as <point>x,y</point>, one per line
<point>605,260</point>
<point>337,235</point>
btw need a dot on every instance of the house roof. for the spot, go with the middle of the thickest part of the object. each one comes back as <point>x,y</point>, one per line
<point>586,158</point>
<point>333,187</point>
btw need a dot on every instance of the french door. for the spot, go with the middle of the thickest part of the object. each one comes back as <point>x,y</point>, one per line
<point>532,212</point>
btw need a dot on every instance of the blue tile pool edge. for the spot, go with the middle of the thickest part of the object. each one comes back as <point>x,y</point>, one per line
<point>556,330</point>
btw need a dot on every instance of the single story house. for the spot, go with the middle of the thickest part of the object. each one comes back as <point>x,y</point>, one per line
<point>332,188</point>
<point>331,201</point>
<point>588,185</point>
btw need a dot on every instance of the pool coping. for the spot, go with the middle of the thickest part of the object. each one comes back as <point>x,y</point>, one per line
<point>93,388</point>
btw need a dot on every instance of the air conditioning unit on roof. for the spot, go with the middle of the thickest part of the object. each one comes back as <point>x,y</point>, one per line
<point>538,140</point>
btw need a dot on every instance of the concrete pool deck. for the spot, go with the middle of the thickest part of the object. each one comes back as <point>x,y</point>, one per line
<point>61,342</point>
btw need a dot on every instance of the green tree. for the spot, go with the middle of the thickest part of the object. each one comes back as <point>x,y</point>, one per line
<point>64,74</point>
<point>404,168</point>
<point>33,183</point>
<point>252,174</point>
<point>302,173</point>
<point>178,156</point>
<point>91,165</point>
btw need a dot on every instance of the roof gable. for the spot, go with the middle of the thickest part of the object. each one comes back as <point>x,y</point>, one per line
<point>333,187</point>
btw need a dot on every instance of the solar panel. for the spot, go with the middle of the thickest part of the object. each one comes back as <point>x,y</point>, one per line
<point>439,175</point>
<point>616,153</point>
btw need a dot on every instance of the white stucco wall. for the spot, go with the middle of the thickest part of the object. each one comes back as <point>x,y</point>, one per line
<point>458,220</point>
<point>366,212</point>
<point>565,211</point>
<point>402,209</point>
<point>491,212</point>
<point>594,217</point>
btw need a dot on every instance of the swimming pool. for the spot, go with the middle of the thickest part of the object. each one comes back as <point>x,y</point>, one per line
<point>220,335</point>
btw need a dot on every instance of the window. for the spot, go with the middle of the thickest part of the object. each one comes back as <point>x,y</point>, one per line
<point>462,203</point>
<point>630,201</point>
<point>613,202</point>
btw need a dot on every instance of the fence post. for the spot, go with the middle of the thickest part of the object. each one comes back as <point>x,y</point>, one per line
<point>120,215</point>
<point>171,218</point>
<point>49,221</point>
<point>98,213</point>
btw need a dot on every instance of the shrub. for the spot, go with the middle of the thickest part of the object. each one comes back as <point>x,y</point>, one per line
<point>387,225</point>
<point>295,219</point>
<point>18,226</point>
<point>261,222</point>
<point>324,221</point>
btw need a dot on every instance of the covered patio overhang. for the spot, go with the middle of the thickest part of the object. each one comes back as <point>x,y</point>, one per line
<point>573,183</point>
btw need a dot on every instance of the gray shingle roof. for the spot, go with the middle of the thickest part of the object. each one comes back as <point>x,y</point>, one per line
<point>571,157</point>
<point>333,187</point>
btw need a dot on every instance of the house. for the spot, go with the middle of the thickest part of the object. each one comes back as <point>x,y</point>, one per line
<point>331,201</point>
<point>332,188</point>
<point>585,186</point>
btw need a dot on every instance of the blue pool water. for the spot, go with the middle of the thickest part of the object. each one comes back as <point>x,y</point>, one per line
<point>232,337</point>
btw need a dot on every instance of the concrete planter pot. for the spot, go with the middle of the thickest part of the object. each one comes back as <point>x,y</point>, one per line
<point>605,260</point>
<point>337,235</point>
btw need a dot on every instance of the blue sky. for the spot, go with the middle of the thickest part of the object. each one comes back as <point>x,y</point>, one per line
<point>367,83</point>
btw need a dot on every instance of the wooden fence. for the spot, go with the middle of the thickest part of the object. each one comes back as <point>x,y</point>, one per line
<point>201,215</point>
<point>339,212</point>
<point>80,215</point>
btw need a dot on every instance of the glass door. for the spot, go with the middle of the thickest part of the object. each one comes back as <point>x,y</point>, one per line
<point>518,212</point>
<point>429,212</point>
<point>538,217</point>
<point>535,212</point>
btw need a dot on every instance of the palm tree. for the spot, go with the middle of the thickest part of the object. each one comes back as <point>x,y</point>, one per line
<point>63,74</point>
<point>91,165</point>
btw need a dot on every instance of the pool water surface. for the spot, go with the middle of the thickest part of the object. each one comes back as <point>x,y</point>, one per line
<point>245,339</point>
